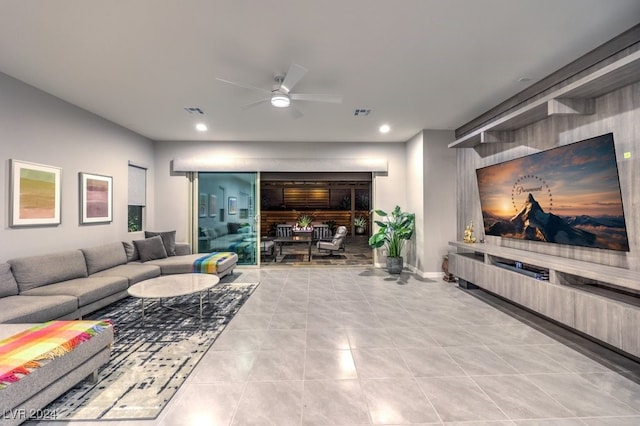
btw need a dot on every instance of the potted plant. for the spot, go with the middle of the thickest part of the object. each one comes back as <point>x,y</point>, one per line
<point>303,224</point>
<point>394,230</point>
<point>333,225</point>
<point>360,223</point>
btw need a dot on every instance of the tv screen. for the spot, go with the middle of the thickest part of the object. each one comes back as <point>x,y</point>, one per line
<point>565,195</point>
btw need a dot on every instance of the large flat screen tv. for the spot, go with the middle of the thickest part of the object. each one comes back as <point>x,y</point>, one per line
<point>565,195</point>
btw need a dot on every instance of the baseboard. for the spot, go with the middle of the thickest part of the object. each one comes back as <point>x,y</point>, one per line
<point>413,270</point>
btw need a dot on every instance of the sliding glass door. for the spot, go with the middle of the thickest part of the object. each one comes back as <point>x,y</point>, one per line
<point>226,204</point>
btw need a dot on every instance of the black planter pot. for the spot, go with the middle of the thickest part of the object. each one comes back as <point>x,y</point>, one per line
<point>394,265</point>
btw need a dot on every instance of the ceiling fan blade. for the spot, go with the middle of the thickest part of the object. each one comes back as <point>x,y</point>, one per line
<point>294,75</point>
<point>334,99</point>
<point>295,112</point>
<point>255,104</point>
<point>244,86</point>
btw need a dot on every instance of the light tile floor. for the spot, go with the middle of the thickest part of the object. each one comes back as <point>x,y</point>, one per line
<point>352,346</point>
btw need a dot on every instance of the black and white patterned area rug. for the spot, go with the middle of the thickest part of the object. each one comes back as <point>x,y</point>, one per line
<point>149,363</point>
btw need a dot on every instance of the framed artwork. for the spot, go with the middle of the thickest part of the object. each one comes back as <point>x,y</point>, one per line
<point>34,194</point>
<point>213,205</point>
<point>96,198</point>
<point>244,214</point>
<point>202,205</point>
<point>233,205</point>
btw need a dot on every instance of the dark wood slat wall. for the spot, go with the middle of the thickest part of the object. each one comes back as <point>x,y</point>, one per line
<point>308,198</point>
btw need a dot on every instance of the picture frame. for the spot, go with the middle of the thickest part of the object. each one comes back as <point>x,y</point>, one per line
<point>202,205</point>
<point>96,198</point>
<point>233,205</point>
<point>35,194</point>
<point>213,205</point>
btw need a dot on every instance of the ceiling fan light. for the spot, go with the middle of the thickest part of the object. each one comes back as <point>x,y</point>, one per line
<point>280,101</point>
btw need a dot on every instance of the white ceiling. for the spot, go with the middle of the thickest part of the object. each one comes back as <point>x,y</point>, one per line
<point>418,64</point>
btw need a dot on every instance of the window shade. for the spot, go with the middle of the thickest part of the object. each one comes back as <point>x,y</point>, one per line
<point>137,186</point>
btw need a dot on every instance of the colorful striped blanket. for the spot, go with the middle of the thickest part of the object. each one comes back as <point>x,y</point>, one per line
<point>209,264</point>
<point>26,351</point>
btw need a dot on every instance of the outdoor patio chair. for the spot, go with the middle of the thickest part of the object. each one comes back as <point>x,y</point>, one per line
<point>336,244</point>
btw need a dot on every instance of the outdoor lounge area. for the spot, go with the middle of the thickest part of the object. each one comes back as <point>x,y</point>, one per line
<point>356,253</point>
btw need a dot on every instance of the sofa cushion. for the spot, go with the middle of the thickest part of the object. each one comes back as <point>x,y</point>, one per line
<point>150,249</point>
<point>220,230</point>
<point>34,309</point>
<point>182,249</point>
<point>131,251</point>
<point>8,284</point>
<point>35,271</point>
<point>86,290</point>
<point>168,239</point>
<point>104,257</point>
<point>134,272</point>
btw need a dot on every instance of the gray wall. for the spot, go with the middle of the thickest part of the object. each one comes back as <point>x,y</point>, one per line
<point>617,112</point>
<point>439,206</point>
<point>414,249</point>
<point>39,128</point>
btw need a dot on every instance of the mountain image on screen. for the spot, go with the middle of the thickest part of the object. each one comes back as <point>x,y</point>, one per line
<point>533,223</point>
<point>565,195</point>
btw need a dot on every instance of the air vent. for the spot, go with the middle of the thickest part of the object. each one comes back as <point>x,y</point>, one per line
<point>361,112</point>
<point>194,110</point>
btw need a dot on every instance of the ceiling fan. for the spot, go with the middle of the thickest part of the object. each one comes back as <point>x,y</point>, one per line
<point>280,96</point>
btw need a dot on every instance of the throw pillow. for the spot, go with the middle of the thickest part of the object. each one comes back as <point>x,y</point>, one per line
<point>8,285</point>
<point>150,248</point>
<point>131,251</point>
<point>233,227</point>
<point>168,239</point>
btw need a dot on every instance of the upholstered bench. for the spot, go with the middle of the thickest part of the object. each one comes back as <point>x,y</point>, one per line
<point>40,362</point>
<point>220,263</point>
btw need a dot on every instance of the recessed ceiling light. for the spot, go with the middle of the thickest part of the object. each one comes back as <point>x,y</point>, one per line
<point>201,127</point>
<point>384,128</point>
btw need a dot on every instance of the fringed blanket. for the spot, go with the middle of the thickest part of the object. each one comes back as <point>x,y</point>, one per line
<point>209,264</point>
<point>25,351</point>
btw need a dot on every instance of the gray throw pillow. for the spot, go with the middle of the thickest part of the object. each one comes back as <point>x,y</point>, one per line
<point>131,251</point>
<point>150,249</point>
<point>168,239</point>
<point>8,285</point>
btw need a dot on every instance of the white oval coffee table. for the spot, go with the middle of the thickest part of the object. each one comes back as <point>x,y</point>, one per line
<point>169,286</point>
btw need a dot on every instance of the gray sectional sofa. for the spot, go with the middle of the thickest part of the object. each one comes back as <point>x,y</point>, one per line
<point>69,285</point>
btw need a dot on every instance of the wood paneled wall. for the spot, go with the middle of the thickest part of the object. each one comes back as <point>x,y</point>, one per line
<point>314,198</point>
<point>617,112</point>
